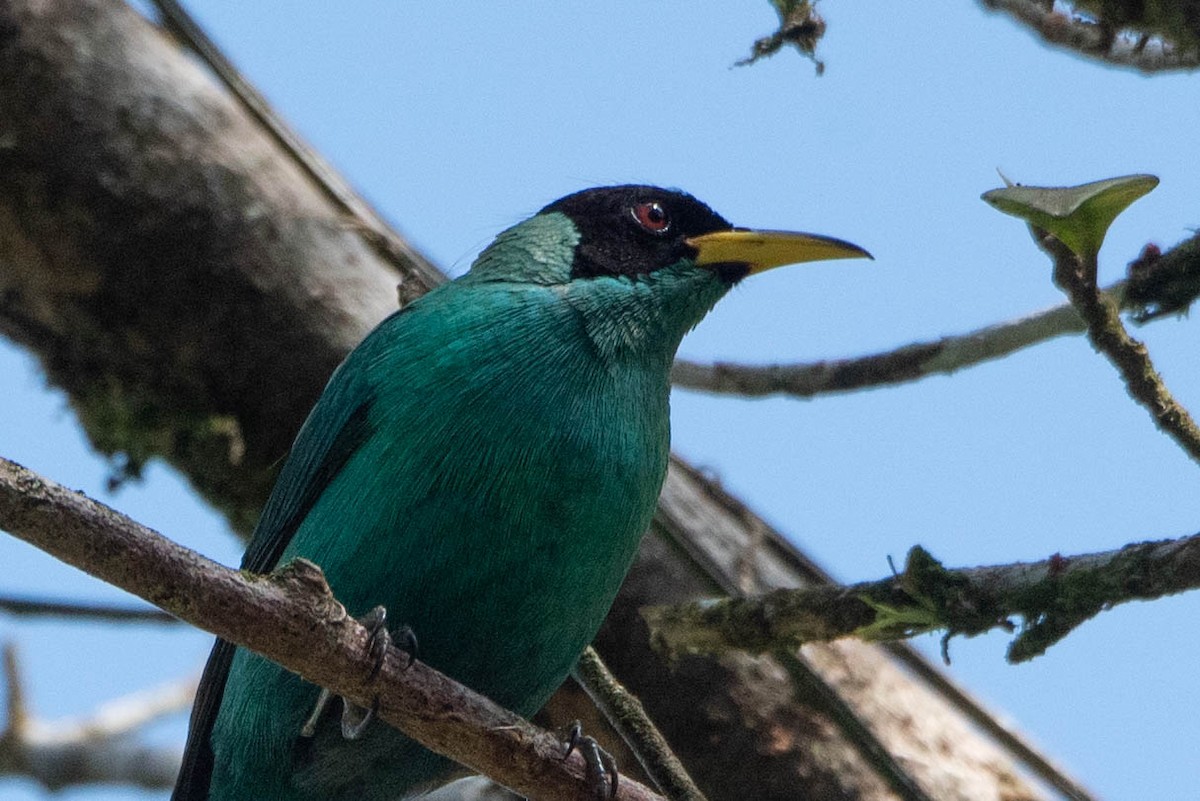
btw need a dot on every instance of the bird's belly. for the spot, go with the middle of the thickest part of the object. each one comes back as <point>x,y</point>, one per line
<point>504,580</point>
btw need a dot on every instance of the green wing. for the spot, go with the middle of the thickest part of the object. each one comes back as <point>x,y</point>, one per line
<point>321,450</point>
<point>335,429</point>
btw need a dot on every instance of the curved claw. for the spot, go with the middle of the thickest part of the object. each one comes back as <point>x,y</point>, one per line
<point>380,638</point>
<point>407,642</point>
<point>573,734</point>
<point>356,719</point>
<point>602,773</point>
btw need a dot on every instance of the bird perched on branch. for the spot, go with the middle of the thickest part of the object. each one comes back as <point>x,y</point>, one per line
<point>483,465</point>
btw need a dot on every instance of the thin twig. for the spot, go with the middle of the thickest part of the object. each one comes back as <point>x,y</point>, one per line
<point>1076,276</point>
<point>909,363</point>
<point>120,716</point>
<point>1053,597</point>
<point>627,715</point>
<point>39,607</point>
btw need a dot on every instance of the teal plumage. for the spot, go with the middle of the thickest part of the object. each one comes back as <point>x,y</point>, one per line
<point>484,465</point>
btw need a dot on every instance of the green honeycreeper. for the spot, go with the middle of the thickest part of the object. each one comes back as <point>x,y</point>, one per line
<point>483,465</point>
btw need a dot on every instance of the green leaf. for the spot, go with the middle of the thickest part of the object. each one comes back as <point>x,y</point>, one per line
<point>1078,216</point>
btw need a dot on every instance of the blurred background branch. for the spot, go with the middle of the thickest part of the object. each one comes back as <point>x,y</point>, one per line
<point>102,748</point>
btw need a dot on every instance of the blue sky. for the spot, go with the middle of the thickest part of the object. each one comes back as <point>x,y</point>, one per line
<point>458,122</point>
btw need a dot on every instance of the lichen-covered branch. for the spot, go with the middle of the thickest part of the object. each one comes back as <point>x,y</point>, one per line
<point>1076,276</point>
<point>1148,37</point>
<point>1162,284</point>
<point>1052,597</point>
<point>292,618</point>
<point>629,717</point>
<point>909,363</point>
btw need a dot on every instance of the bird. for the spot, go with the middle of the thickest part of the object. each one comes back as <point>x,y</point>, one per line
<point>483,465</point>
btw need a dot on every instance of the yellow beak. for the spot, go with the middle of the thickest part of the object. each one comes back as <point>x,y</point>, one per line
<point>762,250</point>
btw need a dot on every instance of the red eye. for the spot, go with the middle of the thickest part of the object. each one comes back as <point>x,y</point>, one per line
<point>652,216</point>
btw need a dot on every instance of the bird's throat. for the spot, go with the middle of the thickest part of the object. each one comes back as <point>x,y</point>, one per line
<point>643,320</point>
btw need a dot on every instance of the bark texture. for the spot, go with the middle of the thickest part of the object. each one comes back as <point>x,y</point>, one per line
<point>191,290</point>
<point>179,277</point>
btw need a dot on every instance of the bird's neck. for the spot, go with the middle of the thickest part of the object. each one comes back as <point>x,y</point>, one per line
<point>537,251</point>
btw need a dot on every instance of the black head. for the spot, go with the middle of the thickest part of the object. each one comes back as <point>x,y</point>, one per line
<point>634,230</point>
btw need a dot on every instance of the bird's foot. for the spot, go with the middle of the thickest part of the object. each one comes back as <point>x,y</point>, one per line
<point>602,775</point>
<point>381,639</point>
<point>356,719</point>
